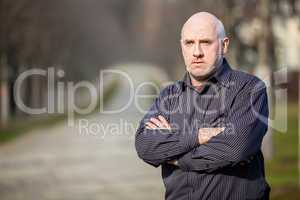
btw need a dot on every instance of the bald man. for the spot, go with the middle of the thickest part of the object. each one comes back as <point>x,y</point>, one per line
<point>206,130</point>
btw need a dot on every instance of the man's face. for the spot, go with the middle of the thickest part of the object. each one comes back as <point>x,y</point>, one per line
<point>202,49</point>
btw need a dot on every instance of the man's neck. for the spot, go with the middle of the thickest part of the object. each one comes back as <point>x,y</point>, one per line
<point>197,83</point>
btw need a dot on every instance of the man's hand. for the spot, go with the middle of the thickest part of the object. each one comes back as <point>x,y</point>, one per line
<point>205,134</point>
<point>173,162</point>
<point>158,123</point>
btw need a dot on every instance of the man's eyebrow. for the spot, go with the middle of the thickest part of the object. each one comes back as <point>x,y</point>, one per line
<point>201,40</point>
<point>206,40</point>
<point>187,40</point>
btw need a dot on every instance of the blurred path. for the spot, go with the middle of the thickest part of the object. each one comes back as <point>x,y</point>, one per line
<point>76,163</point>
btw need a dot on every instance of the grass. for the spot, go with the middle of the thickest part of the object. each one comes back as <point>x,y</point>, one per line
<point>18,127</point>
<point>282,170</point>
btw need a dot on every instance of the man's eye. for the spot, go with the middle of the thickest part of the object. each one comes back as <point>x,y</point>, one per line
<point>206,42</point>
<point>188,43</point>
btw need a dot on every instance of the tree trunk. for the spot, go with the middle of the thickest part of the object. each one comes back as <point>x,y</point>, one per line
<point>4,92</point>
<point>152,22</point>
<point>263,69</point>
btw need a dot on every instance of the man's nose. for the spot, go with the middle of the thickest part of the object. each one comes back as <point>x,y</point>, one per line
<point>198,51</point>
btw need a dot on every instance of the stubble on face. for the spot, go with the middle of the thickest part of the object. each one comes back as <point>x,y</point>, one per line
<point>204,77</point>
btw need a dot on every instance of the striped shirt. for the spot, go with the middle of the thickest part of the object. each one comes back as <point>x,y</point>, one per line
<point>230,165</point>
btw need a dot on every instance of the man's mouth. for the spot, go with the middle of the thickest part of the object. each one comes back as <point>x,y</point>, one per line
<point>197,62</point>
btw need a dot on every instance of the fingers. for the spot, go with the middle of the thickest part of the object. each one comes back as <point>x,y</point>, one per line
<point>150,125</point>
<point>205,134</point>
<point>164,122</point>
<point>158,123</point>
<point>173,162</point>
<point>220,129</point>
<point>212,131</point>
<point>216,131</point>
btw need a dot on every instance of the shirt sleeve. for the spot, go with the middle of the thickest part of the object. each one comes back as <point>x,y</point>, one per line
<point>160,145</point>
<point>246,125</point>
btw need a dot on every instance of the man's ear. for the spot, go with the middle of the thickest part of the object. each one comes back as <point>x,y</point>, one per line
<point>225,45</point>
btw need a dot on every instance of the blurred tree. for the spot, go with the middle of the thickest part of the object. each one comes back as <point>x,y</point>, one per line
<point>4,93</point>
<point>264,67</point>
<point>82,37</point>
<point>79,36</point>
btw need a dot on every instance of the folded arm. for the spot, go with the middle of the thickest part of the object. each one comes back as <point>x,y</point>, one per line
<point>242,137</point>
<point>158,145</point>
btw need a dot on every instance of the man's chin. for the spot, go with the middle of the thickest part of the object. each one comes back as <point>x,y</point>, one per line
<point>199,77</point>
<point>199,71</point>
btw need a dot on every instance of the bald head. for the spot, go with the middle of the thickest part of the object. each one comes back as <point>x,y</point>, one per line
<point>204,20</point>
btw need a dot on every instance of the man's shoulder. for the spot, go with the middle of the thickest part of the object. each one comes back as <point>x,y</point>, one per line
<point>244,76</point>
<point>244,79</point>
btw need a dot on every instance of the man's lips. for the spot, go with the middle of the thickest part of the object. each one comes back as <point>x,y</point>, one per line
<point>197,62</point>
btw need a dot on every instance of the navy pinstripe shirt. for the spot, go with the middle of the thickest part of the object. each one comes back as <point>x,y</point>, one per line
<point>230,165</point>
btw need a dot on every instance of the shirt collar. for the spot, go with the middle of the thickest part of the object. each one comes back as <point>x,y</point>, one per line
<point>222,75</point>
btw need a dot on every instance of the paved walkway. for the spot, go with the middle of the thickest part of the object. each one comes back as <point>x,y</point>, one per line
<point>65,162</point>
